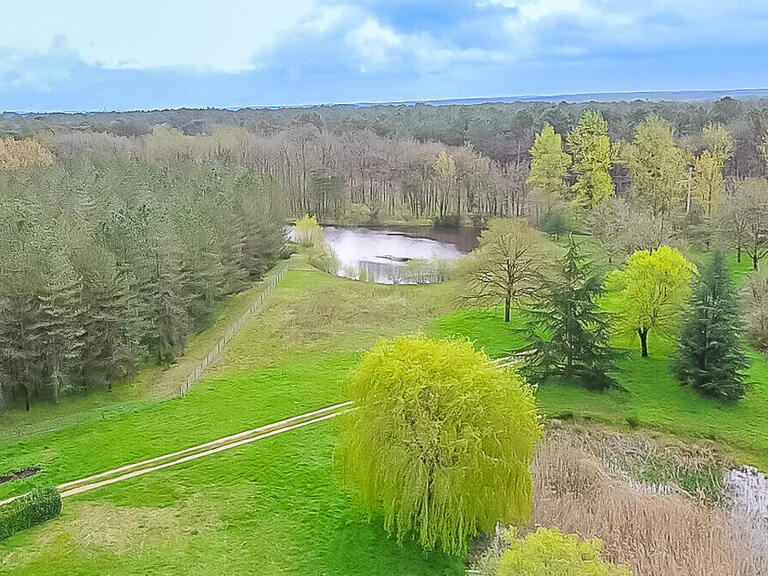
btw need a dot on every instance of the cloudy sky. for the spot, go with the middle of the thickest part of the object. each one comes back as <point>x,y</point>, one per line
<point>97,55</point>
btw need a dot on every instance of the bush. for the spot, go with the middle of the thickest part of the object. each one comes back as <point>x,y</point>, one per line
<point>442,441</point>
<point>549,552</point>
<point>553,223</point>
<point>447,221</point>
<point>358,215</point>
<point>324,258</point>
<point>31,509</point>
<point>307,231</point>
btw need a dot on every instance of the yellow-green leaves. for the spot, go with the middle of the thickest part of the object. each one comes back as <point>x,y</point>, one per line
<point>549,552</point>
<point>441,442</point>
<point>590,148</point>
<point>307,231</point>
<point>654,287</point>
<point>658,167</point>
<point>549,165</point>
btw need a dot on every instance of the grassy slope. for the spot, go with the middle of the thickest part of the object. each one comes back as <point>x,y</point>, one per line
<point>153,382</point>
<point>653,396</point>
<point>275,506</point>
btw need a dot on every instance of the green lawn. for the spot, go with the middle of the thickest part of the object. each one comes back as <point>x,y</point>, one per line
<point>652,396</point>
<point>274,506</point>
<point>277,505</point>
<point>151,383</point>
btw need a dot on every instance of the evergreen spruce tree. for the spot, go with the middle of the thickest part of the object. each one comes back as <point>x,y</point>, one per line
<point>710,355</point>
<point>569,331</point>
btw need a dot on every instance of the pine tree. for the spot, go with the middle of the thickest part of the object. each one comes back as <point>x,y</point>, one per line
<point>570,333</point>
<point>58,332</point>
<point>710,355</point>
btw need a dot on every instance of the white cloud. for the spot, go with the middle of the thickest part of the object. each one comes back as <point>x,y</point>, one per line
<point>374,42</point>
<point>223,35</point>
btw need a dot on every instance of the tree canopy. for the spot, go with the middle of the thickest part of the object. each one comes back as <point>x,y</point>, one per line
<point>653,288</point>
<point>590,148</point>
<point>710,355</point>
<point>569,331</point>
<point>549,552</point>
<point>441,441</point>
<point>504,268</point>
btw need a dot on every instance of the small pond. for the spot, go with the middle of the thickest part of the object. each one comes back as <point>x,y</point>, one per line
<point>398,255</point>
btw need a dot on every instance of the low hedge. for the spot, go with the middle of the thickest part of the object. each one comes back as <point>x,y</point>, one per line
<point>36,507</point>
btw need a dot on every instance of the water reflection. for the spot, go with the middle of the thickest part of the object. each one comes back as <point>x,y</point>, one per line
<point>408,255</point>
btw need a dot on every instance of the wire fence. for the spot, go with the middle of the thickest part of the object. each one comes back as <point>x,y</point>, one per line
<point>197,373</point>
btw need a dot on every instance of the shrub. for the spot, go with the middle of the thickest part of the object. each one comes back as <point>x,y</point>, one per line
<point>447,221</point>
<point>31,509</point>
<point>324,258</point>
<point>307,231</point>
<point>553,223</point>
<point>549,552</point>
<point>357,215</point>
<point>441,442</point>
<point>423,271</point>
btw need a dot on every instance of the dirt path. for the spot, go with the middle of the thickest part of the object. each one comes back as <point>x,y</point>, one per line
<point>200,451</point>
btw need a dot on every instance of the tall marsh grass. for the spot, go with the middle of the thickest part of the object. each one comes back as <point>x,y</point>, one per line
<point>656,530</point>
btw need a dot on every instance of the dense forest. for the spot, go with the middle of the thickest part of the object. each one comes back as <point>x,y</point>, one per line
<point>120,231</point>
<point>109,261</point>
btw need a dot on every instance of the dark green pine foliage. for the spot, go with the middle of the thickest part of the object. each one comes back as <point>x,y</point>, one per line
<point>710,355</point>
<point>569,332</point>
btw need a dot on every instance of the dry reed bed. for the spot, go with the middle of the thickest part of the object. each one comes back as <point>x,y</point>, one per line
<point>581,488</point>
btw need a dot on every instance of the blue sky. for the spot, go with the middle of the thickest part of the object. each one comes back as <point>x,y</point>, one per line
<point>97,55</point>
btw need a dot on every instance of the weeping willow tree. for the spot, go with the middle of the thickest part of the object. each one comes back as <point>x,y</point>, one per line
<point>441,443</point>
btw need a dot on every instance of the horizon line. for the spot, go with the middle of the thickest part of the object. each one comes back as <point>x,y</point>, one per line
<point>468,100</point>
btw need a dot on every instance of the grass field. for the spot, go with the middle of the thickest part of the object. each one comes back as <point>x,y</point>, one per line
<point>153,382</point>
<point>652,397</point>
<point>275,506</point>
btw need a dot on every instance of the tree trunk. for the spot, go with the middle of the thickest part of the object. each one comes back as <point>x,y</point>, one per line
<point>738,254</point>
<point>643,333</point>
<point>754,261</point>
<point>507,304</point>
<point>26,406</point>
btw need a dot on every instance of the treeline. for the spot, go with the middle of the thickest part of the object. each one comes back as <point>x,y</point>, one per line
<point>109,259</point>
<point>367,164</point>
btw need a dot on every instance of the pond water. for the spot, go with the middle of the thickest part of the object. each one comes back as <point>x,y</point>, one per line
<point>747,489</point>
<point>398,255</point>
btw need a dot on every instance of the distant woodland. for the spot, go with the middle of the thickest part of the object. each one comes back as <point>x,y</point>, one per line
<point>120,231</point>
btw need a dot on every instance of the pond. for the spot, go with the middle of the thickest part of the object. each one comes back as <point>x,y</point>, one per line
<point>398,255</point>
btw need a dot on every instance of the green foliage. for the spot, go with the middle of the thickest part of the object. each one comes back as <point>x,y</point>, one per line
<point>441,441</point>
<point>590,148</point>
<point>446,221</point>
<point>553,223</point>
<point>307,231</point>
<point>569,332</point>
<point>653,288</point>
<point>109,259</point>
<point>549,552</point>
<point>35,507</point>
<point>549,165</point>
<point>322,257</point>
<point>657,166</point>
<point>710,355</point>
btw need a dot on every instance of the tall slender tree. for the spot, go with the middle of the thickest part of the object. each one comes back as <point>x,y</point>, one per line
<point>710,354</point>
<point>590,148</point>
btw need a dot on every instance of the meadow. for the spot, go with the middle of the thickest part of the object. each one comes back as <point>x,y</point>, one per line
<point>278,505</point>
<point>275,506</point>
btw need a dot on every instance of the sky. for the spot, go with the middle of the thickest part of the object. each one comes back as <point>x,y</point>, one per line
<point>144,54</point>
